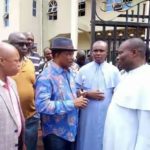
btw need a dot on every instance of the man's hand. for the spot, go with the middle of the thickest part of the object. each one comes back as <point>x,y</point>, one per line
<point>81,102</point>
<point>81,93</point>
<point>96,95</point>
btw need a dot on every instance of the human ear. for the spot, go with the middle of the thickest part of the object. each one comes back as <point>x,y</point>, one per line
<point>134,51</point>
<point>1,60</point>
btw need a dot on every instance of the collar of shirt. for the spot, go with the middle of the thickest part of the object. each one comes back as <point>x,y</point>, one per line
<point>23,63</point>
<point>137,69</point>
<point>57,68</point>
<point>3,84</point>
<point>25,58</point>
<point>99,65</point>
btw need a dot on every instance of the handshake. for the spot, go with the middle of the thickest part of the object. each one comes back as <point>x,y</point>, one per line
<point>83,96</point>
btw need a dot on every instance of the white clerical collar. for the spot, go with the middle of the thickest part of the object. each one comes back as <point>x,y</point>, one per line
<point>101,64</point>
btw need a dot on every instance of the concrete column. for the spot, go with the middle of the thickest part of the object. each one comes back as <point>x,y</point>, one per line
<point>74,22</point>
<point>147,32</point>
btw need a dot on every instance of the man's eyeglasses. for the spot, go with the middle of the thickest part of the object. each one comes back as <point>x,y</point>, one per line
<point>21,44</point>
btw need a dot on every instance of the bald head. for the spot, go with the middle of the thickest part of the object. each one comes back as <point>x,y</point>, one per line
<point>30,39</point>
<point>16,37</point>
<point>6,50</point>
<point>100,43</point>
<point>99,51</point>
<point>81,58</point>
<point>135,44</point>
<point>80,53</point>
<point>9,60</point>
<point>131,54</point>
<point>28,34</point>
<point>19,40</point>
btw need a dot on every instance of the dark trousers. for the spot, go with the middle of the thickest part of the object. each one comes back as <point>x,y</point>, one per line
<point>31,133</point>
<point>53,142</point>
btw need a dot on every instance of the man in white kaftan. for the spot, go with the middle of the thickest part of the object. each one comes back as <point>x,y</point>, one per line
<point>128,117</point>
<point>98,79</point>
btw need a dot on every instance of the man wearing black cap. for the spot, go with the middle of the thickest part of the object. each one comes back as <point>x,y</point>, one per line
<point>56,98</point>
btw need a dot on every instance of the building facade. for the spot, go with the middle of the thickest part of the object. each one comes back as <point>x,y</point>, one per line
<point>51,18</point>
<point>19,15</point>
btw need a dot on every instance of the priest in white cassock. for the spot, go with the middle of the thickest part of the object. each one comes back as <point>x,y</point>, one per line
<point>97,81</point>
<point>127,125</point>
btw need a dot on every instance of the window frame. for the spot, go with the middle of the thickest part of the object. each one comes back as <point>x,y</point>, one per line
<point>81,8</point>
<point>6,13</point>
<point>52,10</point>
<point>34,7</point>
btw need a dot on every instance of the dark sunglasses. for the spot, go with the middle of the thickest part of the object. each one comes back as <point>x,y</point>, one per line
<point>21,44</point>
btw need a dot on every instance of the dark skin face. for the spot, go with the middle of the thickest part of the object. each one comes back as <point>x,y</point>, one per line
<point>30,39</point>
<point>48,54</point>
<point>9,61</point>
<point>13,61</point>
<point>64,59</point>
<point>99,51</point>
<point>21,44</point>
<point>126,56</point>
<point>81,60</point>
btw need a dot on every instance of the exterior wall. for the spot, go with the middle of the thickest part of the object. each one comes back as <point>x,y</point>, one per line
<point>61,26</point>
<point>84,21</point>
<point>52,28</point>
<point>31,23</point>
<point>84,41</point>
<point>14,20</point>
<point>21,19</point>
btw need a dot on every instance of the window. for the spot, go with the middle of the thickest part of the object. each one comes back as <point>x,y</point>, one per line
<point>52,11</point>
<point>6,13</point>
<point>34,8</point>
<point>81,8</point>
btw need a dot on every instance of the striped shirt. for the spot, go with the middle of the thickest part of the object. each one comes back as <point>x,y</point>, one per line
<point>37,61</point>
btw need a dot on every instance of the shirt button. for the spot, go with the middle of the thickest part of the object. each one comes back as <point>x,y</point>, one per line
<point>16,145</point>
<point>16,130</point>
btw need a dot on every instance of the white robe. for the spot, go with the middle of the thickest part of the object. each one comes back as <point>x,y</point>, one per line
<point>127,125</point>
<point>105,78</point>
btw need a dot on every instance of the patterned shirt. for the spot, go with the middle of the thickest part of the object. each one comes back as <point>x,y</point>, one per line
<point>55,92</point>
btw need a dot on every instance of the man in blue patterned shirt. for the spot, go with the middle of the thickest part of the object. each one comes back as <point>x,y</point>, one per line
<point>56,98</point>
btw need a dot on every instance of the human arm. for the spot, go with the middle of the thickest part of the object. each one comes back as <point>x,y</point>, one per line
<point>44,103</point>
<point>94,95</point>
<point>84,88</point>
